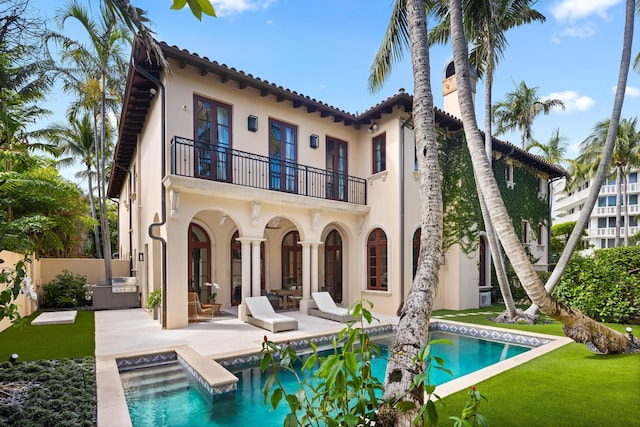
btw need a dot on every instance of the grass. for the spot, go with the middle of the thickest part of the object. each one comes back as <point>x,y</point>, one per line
<point>50,341</point>
<point>567,387</point>
<point>54,382</point>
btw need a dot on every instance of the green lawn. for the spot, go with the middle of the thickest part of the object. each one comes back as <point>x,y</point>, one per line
<point>568,387</point>
<point>50,341</point>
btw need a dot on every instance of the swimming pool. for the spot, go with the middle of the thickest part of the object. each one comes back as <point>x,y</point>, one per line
<point>188,407</point>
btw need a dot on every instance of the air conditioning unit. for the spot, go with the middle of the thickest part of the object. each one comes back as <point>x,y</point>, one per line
<point>485,299</point>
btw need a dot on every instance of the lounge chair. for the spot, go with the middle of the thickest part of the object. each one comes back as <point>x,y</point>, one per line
<point>196,312</point>
<point>260,313</point>
<point>326,308</point>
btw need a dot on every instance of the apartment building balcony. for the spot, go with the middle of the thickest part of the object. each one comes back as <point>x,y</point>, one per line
<point>198,160</point>
<point>612,210</point>
<point>611,231</point>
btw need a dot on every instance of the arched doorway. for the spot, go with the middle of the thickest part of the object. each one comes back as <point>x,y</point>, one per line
<point>200,262</point>
<point>291,260</point>
<point>333,265</point>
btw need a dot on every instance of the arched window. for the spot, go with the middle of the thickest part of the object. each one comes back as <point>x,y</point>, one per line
<point>291,260</point>
<point>377,260</point>
<point>416,249</point>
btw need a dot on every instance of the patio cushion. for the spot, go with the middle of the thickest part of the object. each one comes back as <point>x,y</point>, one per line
<point>261,314</point>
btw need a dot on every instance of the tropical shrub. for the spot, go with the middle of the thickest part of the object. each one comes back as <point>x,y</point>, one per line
<point>65,291</point>
<point>605,286</point>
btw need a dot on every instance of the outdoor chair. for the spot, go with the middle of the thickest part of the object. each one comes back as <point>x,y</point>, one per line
<point>326,308</point>
<point>196,312</point>
<point>260,313</point>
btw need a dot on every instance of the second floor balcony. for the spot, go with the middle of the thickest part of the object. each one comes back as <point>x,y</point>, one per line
<point>219,163</point>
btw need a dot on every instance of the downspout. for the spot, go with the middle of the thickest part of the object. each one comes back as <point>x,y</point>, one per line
<point>163,193</point>
<point>402,222</point>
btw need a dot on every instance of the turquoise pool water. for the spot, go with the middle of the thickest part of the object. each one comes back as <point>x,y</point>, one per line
<point>245,407</point>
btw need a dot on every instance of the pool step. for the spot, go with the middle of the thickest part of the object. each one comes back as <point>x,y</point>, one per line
<point>154,379</point>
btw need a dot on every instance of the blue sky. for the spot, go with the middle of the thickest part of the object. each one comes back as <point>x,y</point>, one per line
<point>323,49</point>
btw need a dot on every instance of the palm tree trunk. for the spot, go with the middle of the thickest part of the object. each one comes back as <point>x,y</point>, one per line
<point>91,198</point>
<point>605,160</point>
<point>92,202</point>
<point>494,244</point>
<point>104,219</point>
<point>618,204</point>
<point>576,325</point>
<point>413,325</point>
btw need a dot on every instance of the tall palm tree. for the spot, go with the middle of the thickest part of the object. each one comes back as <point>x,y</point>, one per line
<point>626,155</point>
<point>519,109</point>
<point>486,22</point>
<point>553,151</point>
<point>576,326</point>
<point>100,65</point>
<point>408,28</point>
<point>77,139</point>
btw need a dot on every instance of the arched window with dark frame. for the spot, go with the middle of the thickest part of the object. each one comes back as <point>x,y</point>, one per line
<point>291,260</point>
<point>377,279</point>
<point>199,262</point>
<point>333,265</point>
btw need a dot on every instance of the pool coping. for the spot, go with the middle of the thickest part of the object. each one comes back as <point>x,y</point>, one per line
<point>112,405</point>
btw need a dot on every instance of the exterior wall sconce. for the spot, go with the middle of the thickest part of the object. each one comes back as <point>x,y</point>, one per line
<point>373,127</point>
<point>252,123</point>
<point>141,256</point>
<point>314,141</point>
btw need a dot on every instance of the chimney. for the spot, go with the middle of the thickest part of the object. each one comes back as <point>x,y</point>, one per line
<point>450,89</point>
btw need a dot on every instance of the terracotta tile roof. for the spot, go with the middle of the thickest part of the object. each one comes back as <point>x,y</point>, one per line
<point>137,100</point>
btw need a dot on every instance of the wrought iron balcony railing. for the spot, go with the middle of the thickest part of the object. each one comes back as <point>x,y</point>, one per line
<point>219,163</point>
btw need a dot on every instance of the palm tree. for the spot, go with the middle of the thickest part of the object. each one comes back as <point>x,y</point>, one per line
<point>408,28</point>
<point>626,155</point>
<point>554,151</point>
<point>78,140</point>
<point>576,326</point>
<point>486,22</point>
<point>100,66</point>
<point>519,109</point>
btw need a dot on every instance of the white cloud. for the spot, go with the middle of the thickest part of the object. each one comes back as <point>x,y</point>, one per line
<point>631,92</point>
<point>582,32</point>
<point>232,7</point>
<point>571,10</point>
<point>572,101</point>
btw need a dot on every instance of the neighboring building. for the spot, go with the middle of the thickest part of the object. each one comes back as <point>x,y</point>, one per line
<point>223,177</point>
<point>601,229</point>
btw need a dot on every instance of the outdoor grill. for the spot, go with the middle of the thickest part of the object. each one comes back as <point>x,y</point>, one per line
<point>122,293</point>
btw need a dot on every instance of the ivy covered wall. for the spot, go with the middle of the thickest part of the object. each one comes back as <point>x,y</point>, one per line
<point>462,216</point>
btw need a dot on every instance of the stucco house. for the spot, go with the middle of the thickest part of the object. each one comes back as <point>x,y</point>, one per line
<point>225,178</point>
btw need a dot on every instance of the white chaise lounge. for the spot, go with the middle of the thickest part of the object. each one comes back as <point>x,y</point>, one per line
<point>326,308</point>
<point>260,313</point>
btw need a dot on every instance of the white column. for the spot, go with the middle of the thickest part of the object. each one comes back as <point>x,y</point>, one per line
<point>246,274</point>
<point>314,266</point>
<point>306,276</point>
<point>255,267</point>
